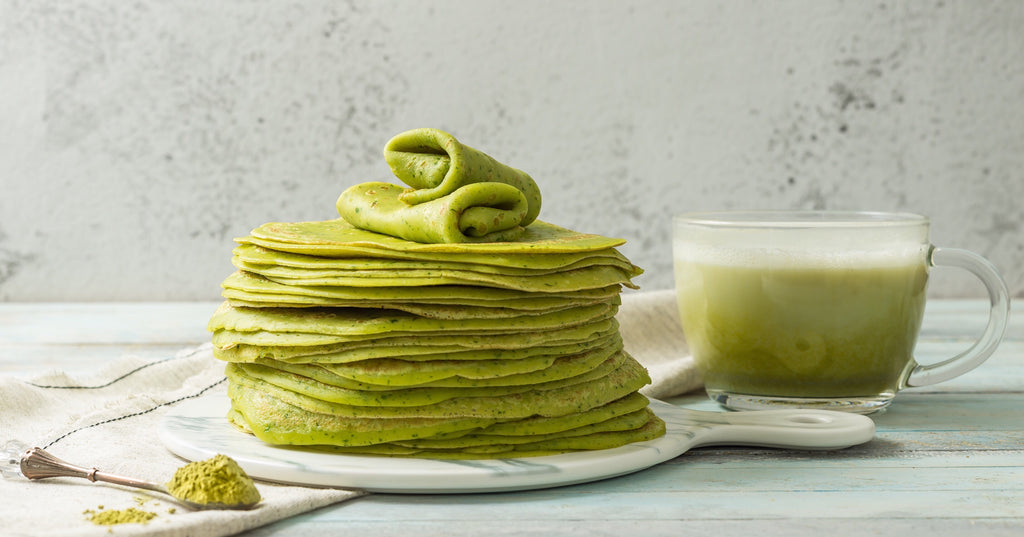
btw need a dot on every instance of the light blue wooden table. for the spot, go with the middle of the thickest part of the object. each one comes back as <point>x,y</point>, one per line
<point>946,460</point>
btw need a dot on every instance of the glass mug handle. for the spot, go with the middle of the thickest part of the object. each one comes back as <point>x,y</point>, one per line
<point>999,299</point>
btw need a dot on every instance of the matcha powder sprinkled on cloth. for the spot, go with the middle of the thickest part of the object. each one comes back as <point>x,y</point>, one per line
<point>215,480</point>
<point>112,517</point>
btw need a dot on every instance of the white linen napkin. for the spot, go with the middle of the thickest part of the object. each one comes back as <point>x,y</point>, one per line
<point>109,420</point>
<point>649,324</point>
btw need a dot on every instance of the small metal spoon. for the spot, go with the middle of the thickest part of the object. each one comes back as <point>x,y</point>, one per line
<point>37,463</point>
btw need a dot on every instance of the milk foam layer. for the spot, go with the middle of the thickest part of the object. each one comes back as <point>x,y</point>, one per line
<point>810,246</point>
<point>774,257</point>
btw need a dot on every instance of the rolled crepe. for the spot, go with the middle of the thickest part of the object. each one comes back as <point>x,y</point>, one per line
<point>435,165</point>
<point>477,212</point>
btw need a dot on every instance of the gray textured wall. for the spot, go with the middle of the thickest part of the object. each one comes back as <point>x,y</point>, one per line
<point>138,138</point>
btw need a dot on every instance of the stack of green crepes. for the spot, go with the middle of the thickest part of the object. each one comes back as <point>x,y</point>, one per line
<point>361,341</point>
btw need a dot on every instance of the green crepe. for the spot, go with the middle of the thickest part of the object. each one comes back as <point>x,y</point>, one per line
<point>433,311</point>
<point>626,422</point>
<point>435,165</point>
<point>354,323</point>
<point>450,295</point>
<point>457,194</point>
<point>451,370</point>
<point>542,244</point>
<point>433,294</point>
<point>513,346</point>
<point>556,424</point>
<point>652,429</point>
<point>276,421</point>
<point>479,212</point>
<point>257,255</point>
<point>580,279</point>
<point>256,410</point>
<point>559,400</point>
<point>594,413</point>
<point>291,327</point>
<point>401,375</point>
<point>319,383</point>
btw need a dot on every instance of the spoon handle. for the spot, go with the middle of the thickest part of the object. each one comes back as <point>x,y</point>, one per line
<point>38,463</point>
<point>789,428</point>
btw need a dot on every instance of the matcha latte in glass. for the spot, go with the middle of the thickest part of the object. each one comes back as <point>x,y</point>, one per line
<point>816,309</point>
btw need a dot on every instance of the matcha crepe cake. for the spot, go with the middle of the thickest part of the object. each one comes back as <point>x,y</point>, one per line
<point>441,320</point>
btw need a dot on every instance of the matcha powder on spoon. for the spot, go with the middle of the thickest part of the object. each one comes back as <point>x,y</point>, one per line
<point>216,480</point>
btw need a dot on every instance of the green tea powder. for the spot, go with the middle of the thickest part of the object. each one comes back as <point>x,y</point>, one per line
<point>215,480</point>
<point>112,517</point>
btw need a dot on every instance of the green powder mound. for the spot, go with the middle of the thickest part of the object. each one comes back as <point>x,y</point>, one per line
<point>215,480</point>
<point>112,517</point>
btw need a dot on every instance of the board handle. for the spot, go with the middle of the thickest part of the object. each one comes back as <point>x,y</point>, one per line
<point>790,428</point>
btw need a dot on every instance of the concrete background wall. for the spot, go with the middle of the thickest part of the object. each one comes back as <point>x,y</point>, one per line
<point>138,138</point>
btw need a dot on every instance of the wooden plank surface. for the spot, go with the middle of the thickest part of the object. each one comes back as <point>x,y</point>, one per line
<point>946,459</point>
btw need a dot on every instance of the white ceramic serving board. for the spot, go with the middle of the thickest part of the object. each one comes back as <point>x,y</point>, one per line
<point>199,429</point>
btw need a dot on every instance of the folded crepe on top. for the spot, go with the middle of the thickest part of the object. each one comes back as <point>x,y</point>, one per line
<point>435,165</point>
<point>457,194</point>
<point>479,212</point>
<point>441,320</point>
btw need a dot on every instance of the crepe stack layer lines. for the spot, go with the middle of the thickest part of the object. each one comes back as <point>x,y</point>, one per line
<point>360,342</point>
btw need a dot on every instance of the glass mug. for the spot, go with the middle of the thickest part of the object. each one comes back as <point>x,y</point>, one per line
<point>816,309</point>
